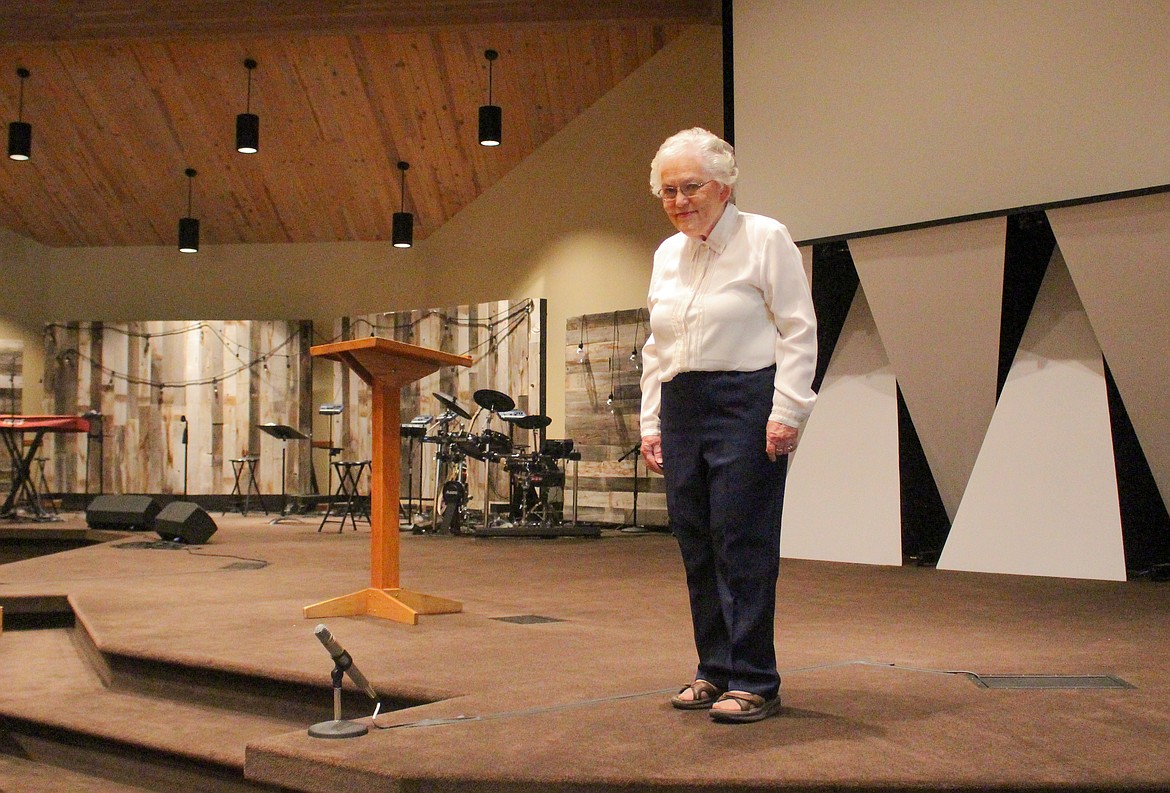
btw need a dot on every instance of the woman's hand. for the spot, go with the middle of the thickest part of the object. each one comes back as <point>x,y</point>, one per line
<point>778,439</point>
<point>652,452</point>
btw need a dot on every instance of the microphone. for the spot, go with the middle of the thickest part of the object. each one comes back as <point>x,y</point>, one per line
<point>344,661</point>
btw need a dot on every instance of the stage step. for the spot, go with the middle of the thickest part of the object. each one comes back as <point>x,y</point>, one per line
<point>131,711</point>
<point>28,776</point>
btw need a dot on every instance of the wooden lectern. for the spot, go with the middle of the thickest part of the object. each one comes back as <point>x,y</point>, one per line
<point>385,366</point>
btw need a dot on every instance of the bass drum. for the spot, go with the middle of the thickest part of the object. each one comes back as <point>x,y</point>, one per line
<point>449,509</point>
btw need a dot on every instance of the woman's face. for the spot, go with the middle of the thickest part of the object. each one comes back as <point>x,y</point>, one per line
<point>697,215</point>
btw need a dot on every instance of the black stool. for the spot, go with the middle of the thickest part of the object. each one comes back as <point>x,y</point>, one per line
<point>346,498</point>
<point>243,494</point>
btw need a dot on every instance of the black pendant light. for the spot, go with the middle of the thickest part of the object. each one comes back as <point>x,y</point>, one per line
<point>20,131</point>
<point>189,226</point>
<point>491,118</point>
<point>403,233</point>
<point>248,123</point>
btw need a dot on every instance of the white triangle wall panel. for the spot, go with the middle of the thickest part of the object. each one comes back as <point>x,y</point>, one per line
<point>1042,498</point>
<point>842,501</point>
<point>1119,255</point>
<point>936,296</point>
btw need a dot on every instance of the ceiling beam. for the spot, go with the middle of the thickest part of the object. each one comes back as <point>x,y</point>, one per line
<point>44,21</point>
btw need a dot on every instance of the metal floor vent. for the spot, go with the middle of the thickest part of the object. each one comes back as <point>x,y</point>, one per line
<point>527,619</point>
<point>246,564</point>
<point>155,545</point>
<point>1049,681</point>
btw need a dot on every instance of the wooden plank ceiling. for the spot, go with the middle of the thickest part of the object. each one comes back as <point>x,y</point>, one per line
<point>124,95</point>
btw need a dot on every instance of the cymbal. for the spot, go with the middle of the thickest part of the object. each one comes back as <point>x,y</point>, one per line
<point>533,422</point>
<point>493,400</point>
<point>450,403</point>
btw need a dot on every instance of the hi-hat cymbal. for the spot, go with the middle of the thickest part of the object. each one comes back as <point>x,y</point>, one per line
<point>533,422</point>
<point>493,400</point>
<point>450,403</point>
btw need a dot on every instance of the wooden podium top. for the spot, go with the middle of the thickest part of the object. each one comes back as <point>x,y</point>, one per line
<point>376,359</point>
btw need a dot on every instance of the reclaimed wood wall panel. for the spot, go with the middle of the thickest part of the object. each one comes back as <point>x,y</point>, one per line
<point>603,365</point>
<point>144,378</point>
<point>11,394</point>
<point>502,337</point>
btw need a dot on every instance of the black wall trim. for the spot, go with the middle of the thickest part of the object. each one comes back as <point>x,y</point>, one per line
<point>1071,202</point>
<point>728,76</point>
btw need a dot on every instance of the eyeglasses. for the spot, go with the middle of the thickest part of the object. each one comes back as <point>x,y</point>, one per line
<point>689,190</point>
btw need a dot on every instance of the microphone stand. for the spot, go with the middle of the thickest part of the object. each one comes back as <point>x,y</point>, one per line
<point>183,419</point>
<point>636,453</point>
<point>339,727</point>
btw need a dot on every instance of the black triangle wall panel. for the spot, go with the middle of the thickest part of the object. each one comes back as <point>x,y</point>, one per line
<point>925,523</point>
<point>834,283</point>
<point>1027,251</point>
<point>1145,522</point>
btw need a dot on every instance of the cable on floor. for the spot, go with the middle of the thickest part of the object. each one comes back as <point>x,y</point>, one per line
<point>656,693</point>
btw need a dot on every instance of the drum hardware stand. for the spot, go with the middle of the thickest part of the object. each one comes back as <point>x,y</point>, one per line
<point>491,446</point>
<point>449,453</point>
<point>416,428</point>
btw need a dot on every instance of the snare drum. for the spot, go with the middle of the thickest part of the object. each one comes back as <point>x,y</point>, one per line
<point>497,443</point>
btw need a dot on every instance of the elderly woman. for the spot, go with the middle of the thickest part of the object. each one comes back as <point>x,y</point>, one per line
<point>726,387</point>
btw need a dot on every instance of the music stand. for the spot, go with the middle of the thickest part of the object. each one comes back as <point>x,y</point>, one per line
<point>284,433</point>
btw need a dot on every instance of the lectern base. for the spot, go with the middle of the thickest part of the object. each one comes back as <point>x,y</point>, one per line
<point>399,605</point>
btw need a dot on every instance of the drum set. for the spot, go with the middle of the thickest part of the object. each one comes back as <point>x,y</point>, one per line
<point>536,476</point>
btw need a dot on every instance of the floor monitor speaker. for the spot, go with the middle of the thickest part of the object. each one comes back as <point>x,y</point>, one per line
<point>184,522</point>
<point>131,513</point>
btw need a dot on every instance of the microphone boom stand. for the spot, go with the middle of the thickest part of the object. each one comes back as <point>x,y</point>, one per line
<point>182,419</point>
<point>636,454</point>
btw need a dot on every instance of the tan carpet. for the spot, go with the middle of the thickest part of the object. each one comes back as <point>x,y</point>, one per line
<point>202,657</point>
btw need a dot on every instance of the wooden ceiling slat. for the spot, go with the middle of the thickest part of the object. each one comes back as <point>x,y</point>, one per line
<point>117,120</point>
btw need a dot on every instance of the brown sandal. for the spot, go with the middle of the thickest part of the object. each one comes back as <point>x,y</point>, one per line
<point>703,695</point>
<point>752,707</point>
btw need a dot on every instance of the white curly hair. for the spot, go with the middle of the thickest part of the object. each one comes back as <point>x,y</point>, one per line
<point>716,154</point>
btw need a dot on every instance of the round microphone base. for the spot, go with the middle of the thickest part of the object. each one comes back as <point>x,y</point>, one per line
<point>338,729</point>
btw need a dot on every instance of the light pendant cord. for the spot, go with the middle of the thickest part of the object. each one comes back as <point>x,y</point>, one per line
<point>23,74</point>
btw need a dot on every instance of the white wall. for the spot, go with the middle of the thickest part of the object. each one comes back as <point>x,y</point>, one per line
<point>860,115</point>
<point>853,115</point>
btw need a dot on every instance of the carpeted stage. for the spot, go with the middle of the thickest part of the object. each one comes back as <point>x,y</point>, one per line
<point>187,669</point>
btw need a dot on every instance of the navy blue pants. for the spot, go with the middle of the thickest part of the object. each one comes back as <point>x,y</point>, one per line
<point>724,498</point>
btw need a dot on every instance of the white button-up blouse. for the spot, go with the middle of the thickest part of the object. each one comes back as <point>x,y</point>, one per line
<point>737,301</point>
